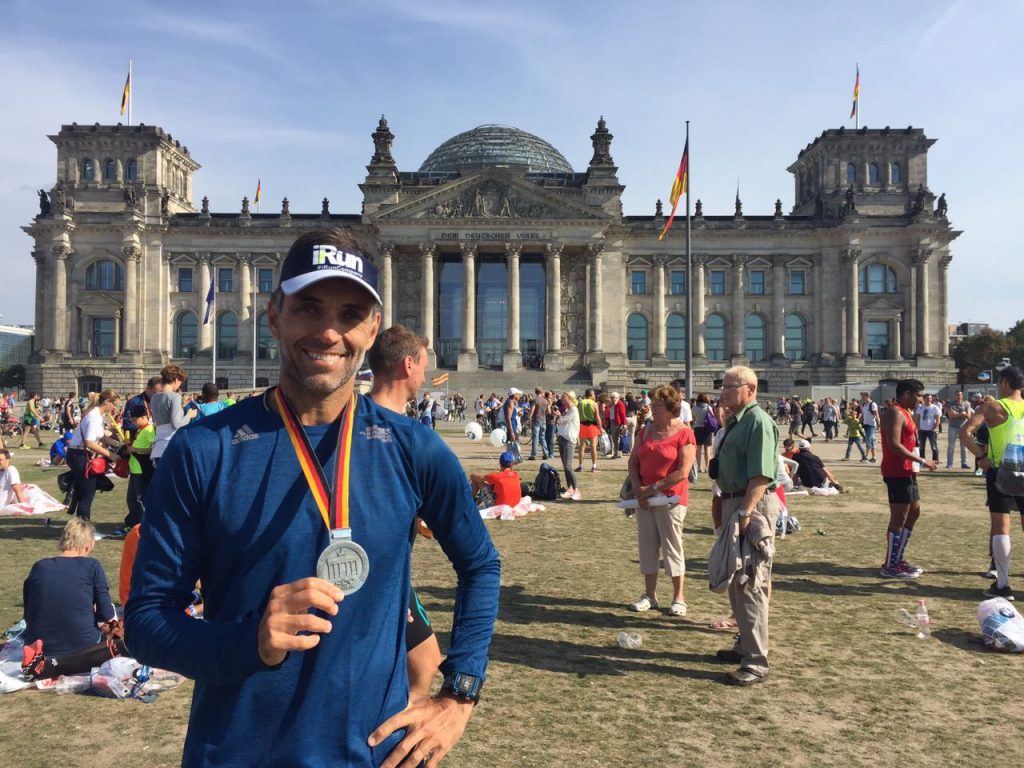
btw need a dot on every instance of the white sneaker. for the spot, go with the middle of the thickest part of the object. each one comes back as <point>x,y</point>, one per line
<point>567,494</point>
<point>645,603</point>
<point>576,495</point>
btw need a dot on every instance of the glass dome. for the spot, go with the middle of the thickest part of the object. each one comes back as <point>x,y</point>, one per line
<point>489,145</point>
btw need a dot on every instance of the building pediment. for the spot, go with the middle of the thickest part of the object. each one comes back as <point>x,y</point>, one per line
<point>493,195</point>
<point>96,303</point>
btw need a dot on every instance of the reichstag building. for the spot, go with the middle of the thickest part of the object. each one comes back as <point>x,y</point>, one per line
<point>507,259</point>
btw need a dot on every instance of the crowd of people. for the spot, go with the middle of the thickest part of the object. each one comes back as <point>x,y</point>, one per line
<point>299,508</point>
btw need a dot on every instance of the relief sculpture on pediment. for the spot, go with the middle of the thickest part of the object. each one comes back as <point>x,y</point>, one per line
<point>491,200</point>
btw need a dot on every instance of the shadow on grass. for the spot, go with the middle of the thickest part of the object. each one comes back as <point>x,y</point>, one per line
<point>22,528</point>
<point>965,641</point>
<point>582,660</point>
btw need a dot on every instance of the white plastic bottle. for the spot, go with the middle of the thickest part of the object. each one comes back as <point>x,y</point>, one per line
<point>629,640</point>
<point>923,621</point>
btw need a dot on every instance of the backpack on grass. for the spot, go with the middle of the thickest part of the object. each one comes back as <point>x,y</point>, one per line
<point>546,486</point>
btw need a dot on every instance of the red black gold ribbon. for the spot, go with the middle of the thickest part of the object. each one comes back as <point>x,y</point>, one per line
<point>332,505</point>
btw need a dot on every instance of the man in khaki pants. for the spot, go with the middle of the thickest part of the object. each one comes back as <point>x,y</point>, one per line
<point>747,465</point>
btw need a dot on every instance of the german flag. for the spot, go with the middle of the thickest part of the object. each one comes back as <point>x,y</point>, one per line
<point>437,381</point>
<point>259,189</point>
<point>127,94</point>
<point>856,93</point>
<point>678,188</point>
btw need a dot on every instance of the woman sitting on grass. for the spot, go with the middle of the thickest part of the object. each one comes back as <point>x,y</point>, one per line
<point>65,598</point>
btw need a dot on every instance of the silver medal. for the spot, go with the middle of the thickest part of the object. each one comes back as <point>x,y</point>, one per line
<point>345,564</point>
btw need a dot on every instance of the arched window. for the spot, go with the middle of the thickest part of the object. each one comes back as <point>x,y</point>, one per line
<point>186,334</point>
<point>897,174</point>
<point>675,337</point>
<point>266,344</point>
<point>88,172</point>
<point>877,278</point>
<point>714,337</point>
<point>104,275</point>
<point>636,337</point>
<point>796,337</point>
<point>873,173</point>
<point>109,170</point>
<point>851,173</point>
<point>227,336</point>
<point>754,338</point>
<point>131,170</point>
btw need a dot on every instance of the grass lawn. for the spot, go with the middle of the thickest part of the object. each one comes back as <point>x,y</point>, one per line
<point>849,685</point>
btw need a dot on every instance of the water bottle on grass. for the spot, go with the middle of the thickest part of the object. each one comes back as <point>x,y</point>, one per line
<point>924,630</point>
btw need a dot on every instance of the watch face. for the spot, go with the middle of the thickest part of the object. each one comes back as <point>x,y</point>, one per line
<point>465,683</point>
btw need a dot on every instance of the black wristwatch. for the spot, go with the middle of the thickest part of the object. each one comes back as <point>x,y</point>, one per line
<point>462,686</point>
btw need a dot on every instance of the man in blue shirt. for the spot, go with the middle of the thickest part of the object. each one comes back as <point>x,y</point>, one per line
<point>289,669</point>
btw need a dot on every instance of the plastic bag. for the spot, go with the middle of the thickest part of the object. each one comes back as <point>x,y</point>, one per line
<point>1002,626</point>
<point>114,678</point>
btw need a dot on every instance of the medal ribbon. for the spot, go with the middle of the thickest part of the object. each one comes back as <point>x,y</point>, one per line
<point>331,504</point>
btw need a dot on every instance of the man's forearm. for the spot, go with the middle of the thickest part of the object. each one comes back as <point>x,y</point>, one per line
<point>756,488</point>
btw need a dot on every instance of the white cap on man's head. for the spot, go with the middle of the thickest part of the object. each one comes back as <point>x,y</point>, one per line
<point>513,391</point>
<point>803,445</point>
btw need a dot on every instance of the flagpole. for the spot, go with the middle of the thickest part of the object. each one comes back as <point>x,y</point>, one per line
<point>689,277</point>
<point>129,92</point>
<point>214,375</point>
<point>255,287</point>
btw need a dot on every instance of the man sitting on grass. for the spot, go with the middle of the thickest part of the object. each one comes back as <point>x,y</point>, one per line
<point>502,487</point>
<point>810,469</point>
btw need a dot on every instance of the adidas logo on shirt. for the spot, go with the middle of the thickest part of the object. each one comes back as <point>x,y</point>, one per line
<point>244,433</point>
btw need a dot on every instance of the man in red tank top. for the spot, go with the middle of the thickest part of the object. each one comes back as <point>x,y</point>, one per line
<point>899,471</point>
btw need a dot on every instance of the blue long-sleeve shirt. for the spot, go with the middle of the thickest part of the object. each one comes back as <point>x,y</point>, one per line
<point>229,505</point>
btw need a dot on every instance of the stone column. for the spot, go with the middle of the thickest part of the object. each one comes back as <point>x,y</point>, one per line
<point>427,253</point>
<point>924,346</point>
<point>819,309</point>
<point>131,255</point>
<point>205,329</point>
<point>739,307</point>
<point>118,337</point>
<point>513,360</point>
<point>596,308</point>
<point>553,357</point>
<point>696,331</point>
<point>246,313</point>
<point>911,317</point>
<point>659,312</point>
<point>851,258</point>
<point>469,359</point>
<point>57,332</point>
<point>944,261</point>
<point>777,327</point>
<point>897,352</point>
<point>41,338</point>
<point>384,283</point>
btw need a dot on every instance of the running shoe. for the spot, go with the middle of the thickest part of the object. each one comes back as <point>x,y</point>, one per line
<point>897,573</point>
<point>917,570</point>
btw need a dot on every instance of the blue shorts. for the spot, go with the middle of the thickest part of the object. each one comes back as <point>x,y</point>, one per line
<point>869,436</point>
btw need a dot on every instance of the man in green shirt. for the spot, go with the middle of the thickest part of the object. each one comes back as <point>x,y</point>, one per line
<point>747,466</point>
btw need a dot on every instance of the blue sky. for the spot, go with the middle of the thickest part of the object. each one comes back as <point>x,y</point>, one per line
<point>292,96</point>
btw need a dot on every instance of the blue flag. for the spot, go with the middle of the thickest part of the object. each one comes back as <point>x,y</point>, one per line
<point>209,302</point>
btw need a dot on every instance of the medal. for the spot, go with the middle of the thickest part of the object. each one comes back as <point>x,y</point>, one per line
<point>343,562</point>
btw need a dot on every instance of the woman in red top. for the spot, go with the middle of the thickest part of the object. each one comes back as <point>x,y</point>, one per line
<point>659,466</point>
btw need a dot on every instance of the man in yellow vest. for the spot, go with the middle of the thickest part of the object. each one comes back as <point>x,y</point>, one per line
<point>1005,420</point>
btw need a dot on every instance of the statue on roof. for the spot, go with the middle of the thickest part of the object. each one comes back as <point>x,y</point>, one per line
<point>130,200</point>
<point>657,209</point>
<point>602,141</point>
<point>165,202</point>
<point>205,206</point>
<point>699,209</point>
<point>382,139</point>
<point>284,207</point>
<point>44,204</point>
<point>778,208</point>
<point>245,206</point>
<point>941,209</point>
<point>325,209</point>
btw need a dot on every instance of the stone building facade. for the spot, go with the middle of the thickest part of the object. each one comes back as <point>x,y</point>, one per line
<point>506,258</point>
